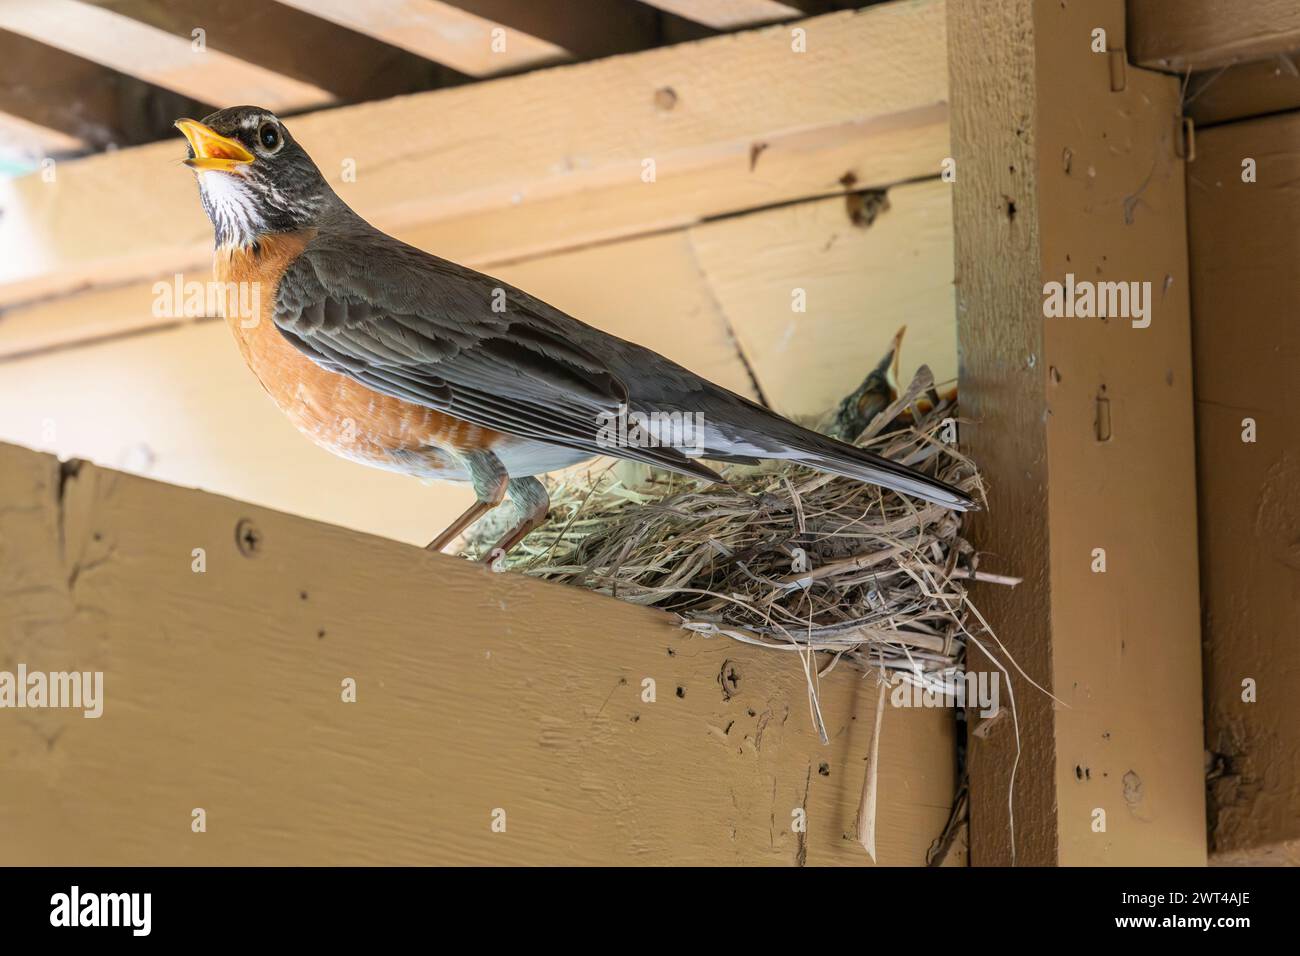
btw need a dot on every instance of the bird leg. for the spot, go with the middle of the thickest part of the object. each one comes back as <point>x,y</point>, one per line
<point>489,479</point>
<point>530,497</point>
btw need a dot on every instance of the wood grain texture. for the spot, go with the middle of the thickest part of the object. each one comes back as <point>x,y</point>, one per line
<point>552,160</point>
<point>998,290</point>
<point>1181,36</point>
<point>1245,282</point>
<point>1059,174</point>
<point>475,692</point>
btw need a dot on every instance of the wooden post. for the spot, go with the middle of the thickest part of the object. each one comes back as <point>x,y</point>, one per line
<point>1068,162</point>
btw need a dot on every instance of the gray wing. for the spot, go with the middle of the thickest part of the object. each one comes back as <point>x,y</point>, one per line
<point>428,331</point>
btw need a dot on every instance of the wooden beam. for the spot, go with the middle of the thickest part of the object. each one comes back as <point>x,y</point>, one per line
<point>728,14</point>
<point>1180,36</point>
<point>351,66</point>
<point>480,697</point>
<point>1244,90</point>
<point>24,144</point>
<point>89,102</point>
<point>1083,430</point>
<point>155,56</point>
<point>440,32</point>
<point>585,30</point>
<point>1245,284</point>
<point>496,172</point>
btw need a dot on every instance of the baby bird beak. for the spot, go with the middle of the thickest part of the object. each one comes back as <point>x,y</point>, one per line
<point>211,149</point>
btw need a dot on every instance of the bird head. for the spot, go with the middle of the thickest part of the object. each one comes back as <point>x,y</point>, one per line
<point>253,176</point>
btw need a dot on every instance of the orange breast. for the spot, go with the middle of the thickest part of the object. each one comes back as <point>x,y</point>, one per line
<point>333,410</point>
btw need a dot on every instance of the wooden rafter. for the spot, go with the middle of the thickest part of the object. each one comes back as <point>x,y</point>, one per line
<point>157,57</point>
<point>728,14</point>
<point>24,143</point>
<point>493,172</point>
<point>1179,35</point>
<point>440,32</point>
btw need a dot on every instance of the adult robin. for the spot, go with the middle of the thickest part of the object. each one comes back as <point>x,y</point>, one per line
<point>395,358</point>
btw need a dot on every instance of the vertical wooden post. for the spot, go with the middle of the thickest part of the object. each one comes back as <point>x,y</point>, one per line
<point>1068,164</point>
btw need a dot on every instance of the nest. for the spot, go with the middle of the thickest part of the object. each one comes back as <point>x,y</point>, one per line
<point>790,559</point>
<point>785,557</point>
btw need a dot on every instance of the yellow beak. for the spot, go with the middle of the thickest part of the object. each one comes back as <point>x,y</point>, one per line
<point>211,149</point>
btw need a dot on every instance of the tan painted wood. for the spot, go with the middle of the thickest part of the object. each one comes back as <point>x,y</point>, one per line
<point>155,56</point>
<point>728,14</point>
<point>1244,90</point>
<point>517,167</point>
<point>1043,188</point>
<point>1245,284</point>
<point>858,285</point>
<point>440,32</point>
<point>476,693</point>
<point>1180,36</point>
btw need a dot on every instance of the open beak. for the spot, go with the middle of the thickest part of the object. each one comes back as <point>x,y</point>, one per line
<point>211,149</point>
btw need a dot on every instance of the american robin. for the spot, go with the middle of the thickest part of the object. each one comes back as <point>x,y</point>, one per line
<point>398,359</point>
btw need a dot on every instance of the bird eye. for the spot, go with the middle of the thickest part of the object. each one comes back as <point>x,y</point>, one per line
<point>269,136</point>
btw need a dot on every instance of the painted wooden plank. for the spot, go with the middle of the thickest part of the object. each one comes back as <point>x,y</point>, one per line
<point>1180,36</point>
<point>479,697</point>
<point>1083,427</point>
<point>1245,283</point>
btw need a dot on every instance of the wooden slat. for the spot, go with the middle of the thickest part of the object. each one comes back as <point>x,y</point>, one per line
<point>1042,190</point>
<point>440,32</point>
<point>476,693</point>
<point>1245,283</point>
<point>585,30</point>
<point>101,107</point>
<point>152,55</point>
<point>351,66</point>
<point>728,14</point>
<point>1178,35</point>
<point>517,168</point>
